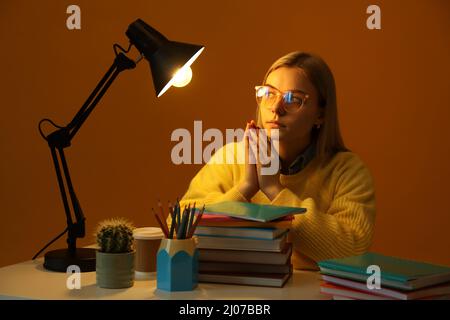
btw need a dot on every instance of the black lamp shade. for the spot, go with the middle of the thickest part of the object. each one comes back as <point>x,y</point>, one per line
<point>165,57</point>
<point>168,60</point>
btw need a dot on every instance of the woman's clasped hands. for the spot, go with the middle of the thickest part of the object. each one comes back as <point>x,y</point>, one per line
<point>259,155</point>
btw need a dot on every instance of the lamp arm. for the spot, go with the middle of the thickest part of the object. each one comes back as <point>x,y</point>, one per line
<point>91,97</point>
<point>61,139</point>
<point>121,63</point>
<point>77,229</point>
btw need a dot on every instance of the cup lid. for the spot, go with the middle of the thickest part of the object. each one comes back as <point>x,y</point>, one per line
<point>148,233</point>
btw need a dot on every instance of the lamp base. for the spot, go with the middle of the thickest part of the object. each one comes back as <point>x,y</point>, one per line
<point>59,260</point>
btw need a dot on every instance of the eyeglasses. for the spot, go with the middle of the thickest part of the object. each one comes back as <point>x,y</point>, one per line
<point>267,97</point>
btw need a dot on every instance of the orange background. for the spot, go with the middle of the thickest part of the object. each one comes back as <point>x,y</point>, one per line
<point>393,99</point>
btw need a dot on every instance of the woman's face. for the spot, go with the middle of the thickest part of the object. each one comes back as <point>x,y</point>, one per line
<point>293,126</point>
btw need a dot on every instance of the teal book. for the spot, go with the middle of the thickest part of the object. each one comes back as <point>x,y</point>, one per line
<point>251,211</point>
<point>395,272</point>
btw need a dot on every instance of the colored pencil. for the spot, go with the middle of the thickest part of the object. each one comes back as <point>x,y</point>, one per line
<point>162,216</point>
<point>178,217</point>
<point>182,227</point>
<point>163,227</point>
<point>199,217</point>
<point>176,213</point>
<point>172,225</point>
<point>163,222</point>
<point>185,227</point>
<point>190,221</point>
<point>161,210</point>
<point>172,213</point>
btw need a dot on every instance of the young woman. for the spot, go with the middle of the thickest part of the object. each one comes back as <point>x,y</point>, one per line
<point>317,172</point>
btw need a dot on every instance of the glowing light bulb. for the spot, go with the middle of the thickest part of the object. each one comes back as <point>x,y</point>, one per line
<point>182,77</point>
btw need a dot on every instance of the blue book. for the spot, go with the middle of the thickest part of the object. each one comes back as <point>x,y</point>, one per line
<point>395,272</point>
<point>251,211</point>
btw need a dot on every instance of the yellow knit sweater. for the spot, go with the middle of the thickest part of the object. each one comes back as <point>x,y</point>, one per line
<point>339,198</point>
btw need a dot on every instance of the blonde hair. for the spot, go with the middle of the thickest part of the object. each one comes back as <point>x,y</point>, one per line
<point>328,138</point>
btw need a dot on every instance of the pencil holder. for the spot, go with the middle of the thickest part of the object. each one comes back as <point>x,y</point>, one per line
<point>177,265</point>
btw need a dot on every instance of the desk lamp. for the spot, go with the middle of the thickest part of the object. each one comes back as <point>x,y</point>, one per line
<point>170,65</point>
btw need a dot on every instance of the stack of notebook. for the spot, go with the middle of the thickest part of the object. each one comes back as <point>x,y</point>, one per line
<point>400,279</point>
<point>245,243</point>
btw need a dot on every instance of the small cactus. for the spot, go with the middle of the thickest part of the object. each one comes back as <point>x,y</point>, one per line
<point>115,236</point>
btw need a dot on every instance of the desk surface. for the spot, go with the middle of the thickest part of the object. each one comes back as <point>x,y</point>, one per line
<point>29,280</point>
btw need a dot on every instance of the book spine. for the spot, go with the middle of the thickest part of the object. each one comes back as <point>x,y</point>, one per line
<point>206,266</point>
<point>241,244</point>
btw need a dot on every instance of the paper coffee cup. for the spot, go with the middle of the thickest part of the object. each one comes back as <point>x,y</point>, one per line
<point>146,243</point>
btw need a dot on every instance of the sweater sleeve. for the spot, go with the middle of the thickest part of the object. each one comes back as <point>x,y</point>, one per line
<point>214,182</point>
<point>346,227</point>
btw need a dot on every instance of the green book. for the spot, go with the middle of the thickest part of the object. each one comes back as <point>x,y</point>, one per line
<point>395,272</point>
<point>251,211</point>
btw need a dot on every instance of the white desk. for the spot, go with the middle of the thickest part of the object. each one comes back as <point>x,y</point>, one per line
<point>29,280</point>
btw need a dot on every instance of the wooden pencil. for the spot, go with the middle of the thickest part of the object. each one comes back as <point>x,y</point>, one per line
<point>172,212</point>
<point>161,224</point>
<point>161,210</point>
<point>172,225</point>
<point>199,217</point>
<point>178,218</point>
<point>176,214</point>
<point>182,228</point>
<point>191,220</point>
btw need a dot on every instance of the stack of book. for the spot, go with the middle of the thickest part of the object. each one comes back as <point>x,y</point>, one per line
<point>399,279</point>
<point>245,243</point>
